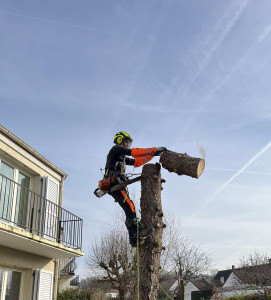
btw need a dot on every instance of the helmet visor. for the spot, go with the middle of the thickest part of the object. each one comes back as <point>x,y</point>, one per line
<point>127,143</point>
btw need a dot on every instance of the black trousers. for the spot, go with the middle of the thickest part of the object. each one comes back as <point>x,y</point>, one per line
<point>122,198</point>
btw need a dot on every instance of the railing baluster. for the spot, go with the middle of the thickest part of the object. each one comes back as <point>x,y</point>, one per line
<point>38,215</point>
<point>1,209</point>
<point>4,205</point>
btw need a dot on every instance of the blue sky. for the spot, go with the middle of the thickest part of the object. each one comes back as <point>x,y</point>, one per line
<point>180,74</point>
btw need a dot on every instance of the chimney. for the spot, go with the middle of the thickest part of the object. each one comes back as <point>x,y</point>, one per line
<point>222,280</point>
<point>233,267</point>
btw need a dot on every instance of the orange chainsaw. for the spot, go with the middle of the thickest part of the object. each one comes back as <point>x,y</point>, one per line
<point>104,185</point>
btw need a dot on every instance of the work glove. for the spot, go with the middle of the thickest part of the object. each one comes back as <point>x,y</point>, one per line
<point>159,150</point>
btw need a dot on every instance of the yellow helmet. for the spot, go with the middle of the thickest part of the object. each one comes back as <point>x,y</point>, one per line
<point>122,136</point>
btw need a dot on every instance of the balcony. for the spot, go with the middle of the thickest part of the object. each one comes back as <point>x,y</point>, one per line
<point>27,216</point>
<point>75,281</point>
<point>67,266</point>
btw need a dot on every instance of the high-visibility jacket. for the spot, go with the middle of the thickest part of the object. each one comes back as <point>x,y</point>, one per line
<point>117,158</point>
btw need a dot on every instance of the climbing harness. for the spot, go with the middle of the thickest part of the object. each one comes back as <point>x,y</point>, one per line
<point>105,185</point>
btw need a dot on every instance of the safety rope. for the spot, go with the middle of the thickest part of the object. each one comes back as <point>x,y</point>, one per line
<point>137,256</point>
<point>126,195</point>
<point>164,291</point>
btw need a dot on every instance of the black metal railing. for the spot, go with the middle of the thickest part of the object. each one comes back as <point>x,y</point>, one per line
<point>23,208</point>
<point>67,266</point>
<point>75,281</point>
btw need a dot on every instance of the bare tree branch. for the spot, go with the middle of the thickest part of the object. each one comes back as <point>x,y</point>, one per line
<point>112,257</point>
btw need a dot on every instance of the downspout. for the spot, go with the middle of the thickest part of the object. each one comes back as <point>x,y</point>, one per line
<point>56,261</point>
<point>56,272</point>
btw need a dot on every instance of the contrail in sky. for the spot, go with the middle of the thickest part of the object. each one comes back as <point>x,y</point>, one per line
<point>62,23</point>
<point>208,97</point>
<point>227,22</point>
<point>247,172</point>
<point>230,180</point>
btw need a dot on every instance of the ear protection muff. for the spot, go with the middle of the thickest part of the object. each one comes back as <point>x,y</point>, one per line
<point>119,139</point>
<point>120,136</point>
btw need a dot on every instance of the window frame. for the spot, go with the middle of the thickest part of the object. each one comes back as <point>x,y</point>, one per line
<point>17,170</point>
<point>4,281</point>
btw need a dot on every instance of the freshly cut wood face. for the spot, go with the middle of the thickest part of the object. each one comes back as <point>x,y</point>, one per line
<point>182,164</point>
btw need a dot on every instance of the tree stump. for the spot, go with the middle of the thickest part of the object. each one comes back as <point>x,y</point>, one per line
<point>182,164</point>
<point>151,217</point>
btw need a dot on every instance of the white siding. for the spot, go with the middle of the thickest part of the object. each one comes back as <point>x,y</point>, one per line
<point>231,281</point>
<point>188,289</point>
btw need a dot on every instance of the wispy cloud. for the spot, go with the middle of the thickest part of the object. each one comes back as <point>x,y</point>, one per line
<point>257,234</point>
<point>223,81</point>
<point>222,28</point>
<point>264,34</point>
<point>62,23</point>
<point>228,224</point>
<point>223,186</point>
<point>142,63</point>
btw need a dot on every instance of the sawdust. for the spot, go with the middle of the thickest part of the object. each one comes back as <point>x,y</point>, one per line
<point>202,152</point>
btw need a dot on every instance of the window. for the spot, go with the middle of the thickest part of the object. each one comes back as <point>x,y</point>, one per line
<point>7,190</point>
<point>22,200</point>
<point>10,284</point>
<point>14,195</point>
<point>1,280</point>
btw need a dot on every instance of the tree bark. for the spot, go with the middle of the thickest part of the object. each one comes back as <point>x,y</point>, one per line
<point>121,294</point>
<point>151,217</point>
<point>182,164</point>
<point>182,289</point>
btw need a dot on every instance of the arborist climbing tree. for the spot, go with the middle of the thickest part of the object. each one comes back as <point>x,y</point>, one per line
<point>115,174</point>
<point>115,184</point>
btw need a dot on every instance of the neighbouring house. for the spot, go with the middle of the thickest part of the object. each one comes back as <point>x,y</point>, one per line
<point>199,284</point>
<point>202,287</point>
<point>242,281</point>
<point>167,283</point>
<point>228,283</point>
<point>112,294</point>
<point>39,239</point>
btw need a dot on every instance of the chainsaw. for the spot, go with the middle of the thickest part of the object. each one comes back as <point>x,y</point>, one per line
<point>104,185</point>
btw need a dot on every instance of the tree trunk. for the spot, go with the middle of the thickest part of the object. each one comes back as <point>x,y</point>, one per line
<point>182,289</point>
<point>182,164</point>
<point>151,217</point>
<point>121,293</point>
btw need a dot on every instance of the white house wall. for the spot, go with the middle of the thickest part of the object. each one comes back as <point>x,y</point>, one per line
<point>25,263</point>
<point>189,288</point>
<point>231,281</point>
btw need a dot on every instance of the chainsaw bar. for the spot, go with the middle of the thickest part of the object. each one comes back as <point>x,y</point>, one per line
<point>129,181</point>
<point>99,193</point>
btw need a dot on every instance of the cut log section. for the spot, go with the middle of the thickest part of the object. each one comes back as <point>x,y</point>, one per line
<point>182,164</point>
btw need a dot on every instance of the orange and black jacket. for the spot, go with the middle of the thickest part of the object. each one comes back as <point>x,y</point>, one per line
<point>117,160</point>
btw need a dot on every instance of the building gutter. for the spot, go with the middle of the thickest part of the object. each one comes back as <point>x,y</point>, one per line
<point>31,150</point>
